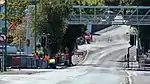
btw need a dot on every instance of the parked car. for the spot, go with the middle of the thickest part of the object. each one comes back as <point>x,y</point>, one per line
<point>11,49</point>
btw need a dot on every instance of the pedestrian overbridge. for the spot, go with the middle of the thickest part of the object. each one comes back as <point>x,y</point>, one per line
<point>110,15</point>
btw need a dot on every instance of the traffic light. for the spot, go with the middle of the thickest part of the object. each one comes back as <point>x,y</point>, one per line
<point>28,42</point>
<point>43,41</point>
<point>9,39</point>
<point>132,40</point>
<point>38,46</point>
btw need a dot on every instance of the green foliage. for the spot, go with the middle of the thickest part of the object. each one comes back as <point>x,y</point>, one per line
<point>118,2</point>
<point>88,3</point>
<point>10,39</point>
<point>112,2</point>
<point>16,13</point>
<point>142,2</point>
<point>143,29</point>
<point>71,35</point>
<point>16,10</point>
<point>54,22</point>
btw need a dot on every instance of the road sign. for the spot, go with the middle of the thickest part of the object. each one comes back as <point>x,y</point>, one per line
<point>2,2</point>
<point>2,37</point>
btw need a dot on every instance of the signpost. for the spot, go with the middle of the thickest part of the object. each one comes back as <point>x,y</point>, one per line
<point>2,10</point>
<point>6,28</point>
<point>2,39</point>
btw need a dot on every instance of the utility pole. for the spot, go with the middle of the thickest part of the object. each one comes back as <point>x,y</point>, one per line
<point>35,24</point>
<point>5,53</point>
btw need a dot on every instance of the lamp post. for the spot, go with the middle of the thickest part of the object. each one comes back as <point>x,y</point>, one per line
<point>28,48</point>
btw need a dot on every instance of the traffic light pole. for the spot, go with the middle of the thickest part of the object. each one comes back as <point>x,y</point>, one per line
<point>5,42</point>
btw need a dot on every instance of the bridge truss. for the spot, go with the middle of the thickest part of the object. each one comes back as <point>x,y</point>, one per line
<point>110,15</point>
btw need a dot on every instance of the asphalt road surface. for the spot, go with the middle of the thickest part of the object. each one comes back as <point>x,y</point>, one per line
<point>100,66</point>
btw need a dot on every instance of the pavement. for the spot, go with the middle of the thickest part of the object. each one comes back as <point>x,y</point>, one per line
<point>100,65</point>
<point>23,71</point>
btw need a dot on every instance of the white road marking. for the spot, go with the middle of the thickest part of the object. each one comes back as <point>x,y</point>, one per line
<point>108,51</point>
<point>129,77</point>
<point>87,51</point>
<point>135,73</point>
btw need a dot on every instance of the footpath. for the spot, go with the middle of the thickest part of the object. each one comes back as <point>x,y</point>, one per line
<point>77,58</point>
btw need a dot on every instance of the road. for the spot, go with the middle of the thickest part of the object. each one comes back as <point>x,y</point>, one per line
<point>100,66</point>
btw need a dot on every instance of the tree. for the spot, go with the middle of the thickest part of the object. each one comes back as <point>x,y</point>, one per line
<point>88,3</point>
<point>16,10</point>
<point>112,2</point>
<point>144,34</point>
<point>118,2</point>
<point>54,22</point>
<point>16,13</point>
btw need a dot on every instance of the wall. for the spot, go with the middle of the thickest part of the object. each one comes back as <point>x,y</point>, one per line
<point>96,28</point>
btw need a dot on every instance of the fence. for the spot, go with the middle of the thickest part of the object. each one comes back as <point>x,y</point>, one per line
<point>22,62</point>
<point>28,62</point>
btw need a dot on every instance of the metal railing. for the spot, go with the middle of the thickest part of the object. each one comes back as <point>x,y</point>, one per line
<point>100,19</point>
<point>125,15</point>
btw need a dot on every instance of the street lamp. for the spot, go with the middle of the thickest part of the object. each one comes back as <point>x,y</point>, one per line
<point>28,25</point>
<point>28,49</point>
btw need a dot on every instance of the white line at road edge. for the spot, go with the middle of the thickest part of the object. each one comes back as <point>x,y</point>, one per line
<point>129,77</point>
<point>87,52</point>
<point>87,49</point>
